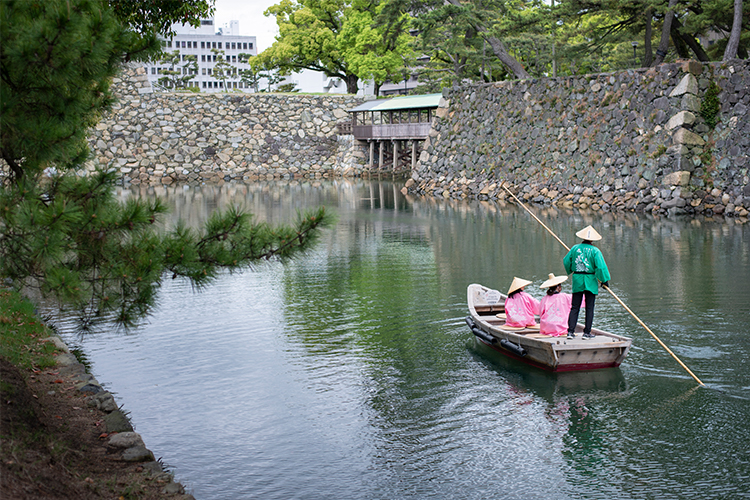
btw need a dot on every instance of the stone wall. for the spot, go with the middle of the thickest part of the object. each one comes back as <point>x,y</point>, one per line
<point>633,140</point>
<point>192,137</point>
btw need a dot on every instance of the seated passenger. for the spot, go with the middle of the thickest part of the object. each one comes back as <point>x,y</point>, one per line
<point>520,307</point>
<point>555,307</point>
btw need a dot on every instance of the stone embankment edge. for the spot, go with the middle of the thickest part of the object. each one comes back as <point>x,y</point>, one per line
<point>122,441</point>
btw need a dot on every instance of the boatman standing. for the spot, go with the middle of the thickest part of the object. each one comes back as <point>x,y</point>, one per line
<point>587,265</point>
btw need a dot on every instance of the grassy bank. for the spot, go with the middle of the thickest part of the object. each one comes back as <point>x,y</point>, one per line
<point>21,334</point>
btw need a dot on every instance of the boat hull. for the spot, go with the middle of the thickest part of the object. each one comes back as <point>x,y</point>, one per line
<point>570,367</point>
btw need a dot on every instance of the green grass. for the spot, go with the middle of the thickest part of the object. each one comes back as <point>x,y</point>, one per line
<point>21,332</point>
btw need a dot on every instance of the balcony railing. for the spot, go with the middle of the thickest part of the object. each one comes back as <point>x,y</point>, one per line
<point>391,131</point>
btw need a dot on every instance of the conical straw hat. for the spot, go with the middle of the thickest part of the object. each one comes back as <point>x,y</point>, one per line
<point>588,233</point>
<point>517,283</point>
<point>553,281</point>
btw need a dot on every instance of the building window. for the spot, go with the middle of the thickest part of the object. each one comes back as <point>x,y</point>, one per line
<point>234,58</point>
<point>214,44</point>
<point>169,44</point>
<point>229,58</point>
<point>207,22</point>
<point>204,85</point>
<point>214,57</point>
<point>203,58</point>
<point>153,71</point>
<point>221,85</point>
<point>203,45</point>
<point>183,44</point>
<point>244,45</point>
<point>190,45</point>
<point>233,46</point>
<point>209,71</point>
<point>251,45</point>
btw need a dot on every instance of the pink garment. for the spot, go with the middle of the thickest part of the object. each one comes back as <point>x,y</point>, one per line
<point>555,308</point>
<point>520,310</point>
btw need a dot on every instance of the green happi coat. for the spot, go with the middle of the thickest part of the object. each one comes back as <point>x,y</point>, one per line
<point>586,262</point>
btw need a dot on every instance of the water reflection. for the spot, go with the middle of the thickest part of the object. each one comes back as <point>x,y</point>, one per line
<point>350,373</point>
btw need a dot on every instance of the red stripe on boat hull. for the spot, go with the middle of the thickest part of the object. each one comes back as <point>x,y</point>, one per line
<point>560,368</point>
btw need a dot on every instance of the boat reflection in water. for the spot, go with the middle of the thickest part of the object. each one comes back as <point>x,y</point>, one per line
<point>546,384</point>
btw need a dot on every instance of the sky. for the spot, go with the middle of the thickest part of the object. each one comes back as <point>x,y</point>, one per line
<point>252,21</point>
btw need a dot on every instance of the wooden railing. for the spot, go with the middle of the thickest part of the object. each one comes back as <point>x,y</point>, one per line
<point>391,131</point>
<point>344,128</point>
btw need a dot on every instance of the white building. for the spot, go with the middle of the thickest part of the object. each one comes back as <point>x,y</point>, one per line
<point>200,42</point>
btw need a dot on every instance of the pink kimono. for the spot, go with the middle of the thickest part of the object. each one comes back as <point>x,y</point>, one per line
<point>553,320</point>
<point>520,310</point>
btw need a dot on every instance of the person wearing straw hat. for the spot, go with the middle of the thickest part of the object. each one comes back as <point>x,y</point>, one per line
<point>588,267</point>
<point>520,307</point>
<point>554,307</point>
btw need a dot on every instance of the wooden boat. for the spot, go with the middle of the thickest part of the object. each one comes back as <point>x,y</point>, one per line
<point>558,354</point>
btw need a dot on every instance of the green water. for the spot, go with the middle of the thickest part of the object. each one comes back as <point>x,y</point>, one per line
<point>351,373</point>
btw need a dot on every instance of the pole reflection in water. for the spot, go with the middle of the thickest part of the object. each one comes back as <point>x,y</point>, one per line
<point>350,373</point>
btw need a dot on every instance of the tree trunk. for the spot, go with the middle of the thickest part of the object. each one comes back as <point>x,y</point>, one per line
<point>695,46</point>
<point>690,41</point>
<point>734,38</point>
<point>661,51</point>
<point>352,84</point>
<point>648,52</point>
<point>498,48</point>
<point>683,51</point>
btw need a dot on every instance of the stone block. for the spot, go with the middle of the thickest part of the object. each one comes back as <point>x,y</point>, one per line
<point>692,67</point>
<point>117,422</point>
<point>137,454</point>
<point>125,440</point>
<point>688,85</point>
<point>691,102</point>
<point>681,119</point>
<point>686,137</point>
<point>680,178</point>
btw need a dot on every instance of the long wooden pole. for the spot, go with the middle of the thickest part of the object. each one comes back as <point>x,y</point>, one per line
<point>608,289</point>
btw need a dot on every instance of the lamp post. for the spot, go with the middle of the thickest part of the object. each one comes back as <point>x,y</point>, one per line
<point>634,44</point>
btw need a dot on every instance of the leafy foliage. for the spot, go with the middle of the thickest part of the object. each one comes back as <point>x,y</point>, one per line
<point>179,72</point>
<point>149,16</point>
<point>57,62</point>
<point>711,105</point>
<point>559,37</point>
<point>338,38</point>
<point>222,69</point>
<point>74,241</point>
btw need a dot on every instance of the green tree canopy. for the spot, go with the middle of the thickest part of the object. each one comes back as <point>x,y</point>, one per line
<point>57,60</point>
<point>336,37</point>
<point>372,53</point>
